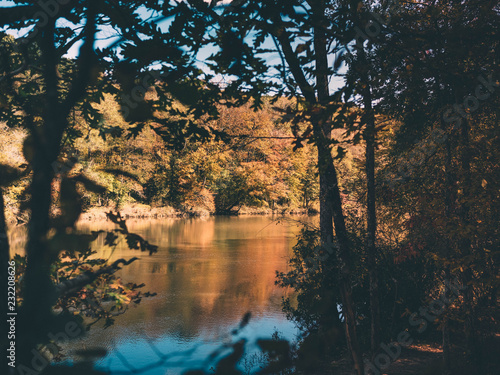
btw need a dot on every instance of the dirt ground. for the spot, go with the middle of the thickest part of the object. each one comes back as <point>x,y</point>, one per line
<point>426,359</point>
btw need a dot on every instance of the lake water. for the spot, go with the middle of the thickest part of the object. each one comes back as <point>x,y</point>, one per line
<point>208,273</point>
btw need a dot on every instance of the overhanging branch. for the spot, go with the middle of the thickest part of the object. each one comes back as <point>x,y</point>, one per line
<point>77,283</point>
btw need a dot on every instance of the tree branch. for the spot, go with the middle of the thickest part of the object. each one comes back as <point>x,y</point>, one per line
<point>15,72</point>
<point>74,285</point>
<point>85,61</point>
<point>294,65</point>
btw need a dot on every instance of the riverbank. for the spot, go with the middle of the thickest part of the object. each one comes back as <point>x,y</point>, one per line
<point>142,211</point>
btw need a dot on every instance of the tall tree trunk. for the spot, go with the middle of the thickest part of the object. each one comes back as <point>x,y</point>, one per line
<point>471,333</point>
<point>348,307</point>
<point>330,201</point>
<point>371,234</point>
<point>325,179</point>
<point>371,220</point>
<point>38,300</point>
<point>39,294</point>
<point>449,209</point>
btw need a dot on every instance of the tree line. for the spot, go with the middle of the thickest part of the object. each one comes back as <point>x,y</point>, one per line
<point>254,167</point>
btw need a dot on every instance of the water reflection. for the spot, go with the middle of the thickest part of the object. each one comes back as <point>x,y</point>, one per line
<point>208,274</point>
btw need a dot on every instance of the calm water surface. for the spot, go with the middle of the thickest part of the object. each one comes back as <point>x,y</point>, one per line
<point>208,273</point>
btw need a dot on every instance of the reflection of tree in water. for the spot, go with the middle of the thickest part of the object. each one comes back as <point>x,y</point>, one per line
<point>207,292</point>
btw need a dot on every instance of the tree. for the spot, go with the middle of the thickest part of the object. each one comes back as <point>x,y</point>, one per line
<point>40,88</point>
<point>360,76</point>
<point>433,77</point>
<point>304,35</point>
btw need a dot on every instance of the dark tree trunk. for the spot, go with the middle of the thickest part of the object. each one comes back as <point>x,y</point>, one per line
<point>35,315</point>
<point>371,222</point>
<point>344,256</point>
<point>325,133</point>
<point>449,209</point>
<point>471,334</point>
<point>330,201</point>
<point>38,297</point>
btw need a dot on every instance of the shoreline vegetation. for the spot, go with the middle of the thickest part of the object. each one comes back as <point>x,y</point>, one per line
<point>256,171</point>
<point>143,211</point>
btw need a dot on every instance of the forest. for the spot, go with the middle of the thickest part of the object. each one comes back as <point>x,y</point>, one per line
<point>378,119</point>
<point>254,167</point>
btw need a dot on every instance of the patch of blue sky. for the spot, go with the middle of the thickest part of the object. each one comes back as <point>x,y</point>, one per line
<point>107,37</point>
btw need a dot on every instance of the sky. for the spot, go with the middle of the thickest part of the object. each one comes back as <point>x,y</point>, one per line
<point>106,36</point>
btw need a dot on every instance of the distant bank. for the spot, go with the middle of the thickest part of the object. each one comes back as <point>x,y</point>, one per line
<point>142,211</point>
